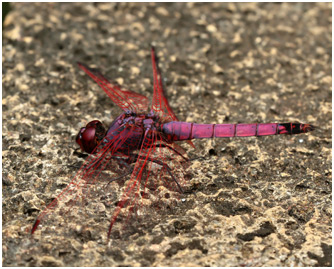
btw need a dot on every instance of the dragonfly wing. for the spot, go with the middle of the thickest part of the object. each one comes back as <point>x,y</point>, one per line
<point>131,194</point>
<point>125,99</point>
<point>154,167</point>
<point>160,104</point>
<point>71,202</point>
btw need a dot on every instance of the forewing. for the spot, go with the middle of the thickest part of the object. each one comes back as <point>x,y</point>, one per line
<point>125,99</point>
<point>84,198</point>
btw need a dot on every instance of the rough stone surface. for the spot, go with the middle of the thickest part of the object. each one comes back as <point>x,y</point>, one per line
<point>253,202</point>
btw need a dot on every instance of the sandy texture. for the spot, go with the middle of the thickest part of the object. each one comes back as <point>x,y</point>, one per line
<point>252,202</point>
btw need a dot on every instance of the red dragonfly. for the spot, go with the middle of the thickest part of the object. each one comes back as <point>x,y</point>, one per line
<point>144,144</point>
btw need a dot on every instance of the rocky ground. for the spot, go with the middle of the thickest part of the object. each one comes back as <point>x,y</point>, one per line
<point>262,201</point>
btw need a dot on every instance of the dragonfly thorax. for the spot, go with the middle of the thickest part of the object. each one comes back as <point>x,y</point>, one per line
<point>129,128</point>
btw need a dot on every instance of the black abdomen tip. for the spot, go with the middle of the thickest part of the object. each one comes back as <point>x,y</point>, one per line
<point>294,128</point>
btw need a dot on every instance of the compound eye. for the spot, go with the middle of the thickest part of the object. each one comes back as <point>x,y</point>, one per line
<point>88,139</point>
<point>89,136</point>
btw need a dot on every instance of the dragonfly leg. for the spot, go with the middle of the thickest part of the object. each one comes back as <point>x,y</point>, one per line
<point>121,161</point>
<point>125,162</point>
<point>196,158</point>
<point>164,165</point>
<point>121,176</point>
<point>173,149</point>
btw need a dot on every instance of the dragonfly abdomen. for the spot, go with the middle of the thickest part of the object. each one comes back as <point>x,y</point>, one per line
<point>178,131</point>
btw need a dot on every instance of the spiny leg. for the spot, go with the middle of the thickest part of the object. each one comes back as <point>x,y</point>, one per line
<point>133,158</point>
<point>125,162</point>
<point>119,177</point>
<point>164,165</point>
<point>173,149</point>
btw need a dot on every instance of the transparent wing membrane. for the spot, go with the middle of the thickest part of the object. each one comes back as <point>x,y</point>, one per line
<point>158,173</point>
<point>125,99</point>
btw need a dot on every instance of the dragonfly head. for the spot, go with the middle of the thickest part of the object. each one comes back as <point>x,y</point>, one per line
<point>90,136</point>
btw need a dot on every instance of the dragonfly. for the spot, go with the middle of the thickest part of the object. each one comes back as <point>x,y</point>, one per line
<point>139,148</point>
